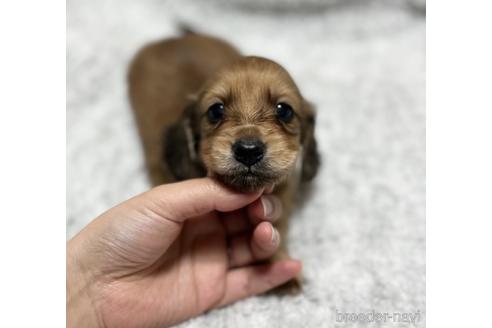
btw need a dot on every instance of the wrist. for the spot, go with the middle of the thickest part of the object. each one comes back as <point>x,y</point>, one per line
<point>81,306</point>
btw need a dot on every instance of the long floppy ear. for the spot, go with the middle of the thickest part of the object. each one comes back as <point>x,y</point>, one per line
<point>310,156</point>
<point>181,147</point>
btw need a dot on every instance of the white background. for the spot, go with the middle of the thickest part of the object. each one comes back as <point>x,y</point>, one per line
<point>32,175</point>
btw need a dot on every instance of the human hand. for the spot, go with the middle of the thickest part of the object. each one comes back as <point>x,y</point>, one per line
<point>172,253</point>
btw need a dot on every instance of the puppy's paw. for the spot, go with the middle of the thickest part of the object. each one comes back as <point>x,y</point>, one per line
<point>292,287</point>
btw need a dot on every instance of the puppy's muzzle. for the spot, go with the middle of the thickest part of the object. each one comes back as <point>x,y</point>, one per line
<point>248,151</point>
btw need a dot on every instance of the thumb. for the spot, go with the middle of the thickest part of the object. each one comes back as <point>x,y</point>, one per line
<point>140,229</point>
<point>184,200</point>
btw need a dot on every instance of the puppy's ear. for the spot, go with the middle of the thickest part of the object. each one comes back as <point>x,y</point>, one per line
<point>311,158</point>
<point>181,142</point>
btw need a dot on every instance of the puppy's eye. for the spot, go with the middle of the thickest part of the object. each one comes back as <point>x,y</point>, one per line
<point>284,112</point>
<point>215,113</point>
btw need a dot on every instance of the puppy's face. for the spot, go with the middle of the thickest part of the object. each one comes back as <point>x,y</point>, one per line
<point>250,117</point>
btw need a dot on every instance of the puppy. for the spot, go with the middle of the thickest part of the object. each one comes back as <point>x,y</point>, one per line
<point>204,109</point>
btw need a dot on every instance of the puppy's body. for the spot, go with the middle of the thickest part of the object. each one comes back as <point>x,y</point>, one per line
<point>203,109</point>
<point>162,78</point>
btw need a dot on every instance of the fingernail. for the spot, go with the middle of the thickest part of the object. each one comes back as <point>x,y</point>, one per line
<point>275,236</point>
<point>272,207</point>
<point>268,206</point>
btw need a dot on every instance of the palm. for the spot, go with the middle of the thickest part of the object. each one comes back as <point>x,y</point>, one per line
<point>192,272</point>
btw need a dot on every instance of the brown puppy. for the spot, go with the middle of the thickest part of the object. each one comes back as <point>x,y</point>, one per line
<point>203,109</point>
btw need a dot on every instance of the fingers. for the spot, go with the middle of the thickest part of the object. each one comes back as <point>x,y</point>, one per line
<point>252,280</point>
<point>236,222</point>
<point>191,198</point>
<point>266,208</point>
<point>247,248</point>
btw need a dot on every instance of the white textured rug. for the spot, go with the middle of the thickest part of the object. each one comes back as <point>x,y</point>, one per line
<point>361,235</point>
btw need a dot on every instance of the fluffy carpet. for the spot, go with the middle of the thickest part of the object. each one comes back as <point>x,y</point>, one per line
<point>361,233</point>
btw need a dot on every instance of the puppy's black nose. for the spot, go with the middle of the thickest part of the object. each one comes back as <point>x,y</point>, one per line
<point>248,151</point>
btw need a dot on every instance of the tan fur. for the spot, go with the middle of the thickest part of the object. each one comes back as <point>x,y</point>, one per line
<point>173,83</point>
<point>162,78</point>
